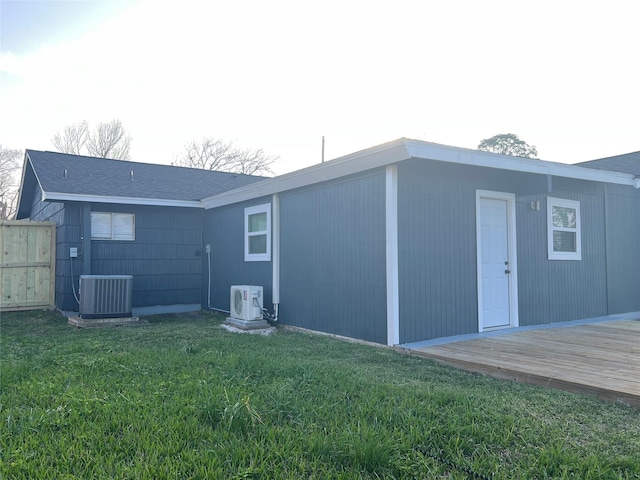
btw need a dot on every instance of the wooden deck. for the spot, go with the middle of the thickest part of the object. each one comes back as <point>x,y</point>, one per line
<point>599,359</point>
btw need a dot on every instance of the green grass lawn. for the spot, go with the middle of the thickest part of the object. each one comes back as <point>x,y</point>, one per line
<point>183,398</point>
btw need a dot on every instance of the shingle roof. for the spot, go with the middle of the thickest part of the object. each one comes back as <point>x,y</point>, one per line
<point>628,163</point>
<point>100,177</point>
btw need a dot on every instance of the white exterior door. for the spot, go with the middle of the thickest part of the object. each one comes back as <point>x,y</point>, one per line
<point>497,302</point>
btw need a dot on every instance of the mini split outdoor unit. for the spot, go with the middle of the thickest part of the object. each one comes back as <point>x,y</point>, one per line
<point>246,302</point>
<point>105,296</point>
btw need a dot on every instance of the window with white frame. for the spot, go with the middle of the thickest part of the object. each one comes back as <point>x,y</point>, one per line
<point>563,229</point>
<point>113,226</point>
<point>257,233</point>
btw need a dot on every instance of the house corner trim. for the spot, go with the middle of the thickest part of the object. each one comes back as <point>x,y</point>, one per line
<point>391,222</point>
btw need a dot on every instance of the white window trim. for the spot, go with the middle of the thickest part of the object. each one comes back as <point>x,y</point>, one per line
<point>257,257</point>
<point>113,233</point>
<point>563,202</point>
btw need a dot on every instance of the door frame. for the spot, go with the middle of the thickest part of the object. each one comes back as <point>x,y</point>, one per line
<point>512,256</point>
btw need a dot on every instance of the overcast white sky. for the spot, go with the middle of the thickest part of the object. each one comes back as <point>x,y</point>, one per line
<point>564,75</point>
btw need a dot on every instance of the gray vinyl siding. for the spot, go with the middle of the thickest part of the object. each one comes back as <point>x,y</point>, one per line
<point>332,266</point>
<point>578,289</point>
<point>165,259</point>
<point>533,272</point>
<point>623,249</point>
<point>553,291</point>
<point>225,233</point>
<point>436,253</point>
<point>437,249</point>
<point>66,233</point>
<point>437,262</point>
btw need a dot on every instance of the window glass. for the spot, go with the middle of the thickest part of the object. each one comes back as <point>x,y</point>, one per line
<point>258,222</point>
<point>257,233</point>
<point>123,226</point>
<point>257,244</point>
<point>100,225</point>
<point>563,229</point>
<point>564,242</point>
<point>564,217</point>
<point>112,226</point>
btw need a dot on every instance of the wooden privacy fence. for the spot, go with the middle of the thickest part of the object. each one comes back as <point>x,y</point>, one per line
<point>27,265</point>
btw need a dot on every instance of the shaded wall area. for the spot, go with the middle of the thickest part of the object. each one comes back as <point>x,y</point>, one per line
<point>165,258</point>
<point>623,249</point>
<point>66,235</point>
<point>224,232</point>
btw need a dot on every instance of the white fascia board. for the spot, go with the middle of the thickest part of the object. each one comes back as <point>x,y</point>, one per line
<point>160,202</point>
<point>26,164</point>
<point>23,173</point>
<point>405,149</point>
<point>529,165</point>
<point>354,163</point>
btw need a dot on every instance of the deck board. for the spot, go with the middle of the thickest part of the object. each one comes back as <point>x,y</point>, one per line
<point>601,359</point>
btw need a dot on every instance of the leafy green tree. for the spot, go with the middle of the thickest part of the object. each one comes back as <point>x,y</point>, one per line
<point>508,144</point>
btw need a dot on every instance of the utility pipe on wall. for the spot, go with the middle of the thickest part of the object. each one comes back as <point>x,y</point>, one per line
<point>275,254</point>
<point>208,251</point>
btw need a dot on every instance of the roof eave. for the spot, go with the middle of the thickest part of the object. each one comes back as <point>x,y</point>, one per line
<point>160,202</point>
<point>518,164</point>
<point>25,166</point>
<point>374,157</point>
<point>24,170</point>
<point>404,149</point>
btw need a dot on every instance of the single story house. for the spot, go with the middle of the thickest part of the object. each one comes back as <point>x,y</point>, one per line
<point>124,218</point>
<point>398,243</point>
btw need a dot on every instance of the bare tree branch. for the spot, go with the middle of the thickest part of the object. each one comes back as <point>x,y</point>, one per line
<point>108,140</point>
<point>9,168</point>
<point>73,139</point>
<point>255,162</point>
<point>223,156</point>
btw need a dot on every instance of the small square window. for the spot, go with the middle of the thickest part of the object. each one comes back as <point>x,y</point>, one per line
<point>563,229</point>
<point>112,226</point>
<point>257,233</point>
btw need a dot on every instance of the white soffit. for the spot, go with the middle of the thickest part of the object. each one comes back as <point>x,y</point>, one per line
<point>405,149</point>
<point>518,164</point>
<point>74,197</point>
<point>375,157</point>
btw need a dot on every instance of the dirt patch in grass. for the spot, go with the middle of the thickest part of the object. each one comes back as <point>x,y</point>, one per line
<point>265,332</point>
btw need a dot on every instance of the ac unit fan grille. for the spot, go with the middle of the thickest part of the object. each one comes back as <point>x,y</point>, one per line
<point>105,296</point>
<point>237,301</point>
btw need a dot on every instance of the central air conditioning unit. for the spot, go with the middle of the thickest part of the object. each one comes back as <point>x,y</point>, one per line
<point>105,296</point>
<point>246,302</point>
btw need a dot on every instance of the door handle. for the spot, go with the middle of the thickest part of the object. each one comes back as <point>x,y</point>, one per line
<point>507,272</point>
